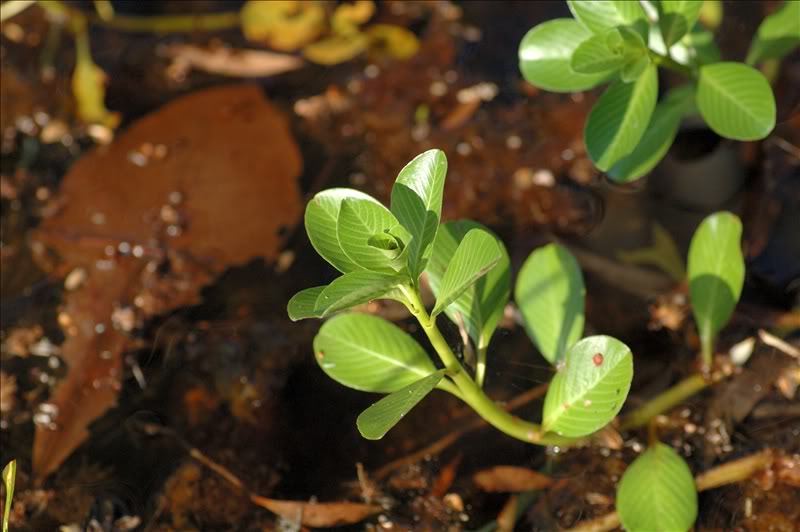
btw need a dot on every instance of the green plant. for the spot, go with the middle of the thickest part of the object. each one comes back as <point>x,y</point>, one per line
<point>624,43</point>
<point>382,252</point>
<point>9,479</point>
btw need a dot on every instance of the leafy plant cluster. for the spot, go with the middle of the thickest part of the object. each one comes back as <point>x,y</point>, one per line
<point>382,252</point>
<point>624,43</point>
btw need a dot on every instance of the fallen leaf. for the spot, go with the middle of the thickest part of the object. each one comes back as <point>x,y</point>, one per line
<point>318,514</point>
<point>206,182</point>
<point>510,479</point>
<point>287,25</point>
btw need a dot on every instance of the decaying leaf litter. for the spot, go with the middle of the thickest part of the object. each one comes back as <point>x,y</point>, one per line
<point>191,387</point>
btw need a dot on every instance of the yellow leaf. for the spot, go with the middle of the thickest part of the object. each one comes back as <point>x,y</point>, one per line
<point>284,25</point>
<point>348,17</point>
<point>392,41</point>
<point>89,90</point>
<point>336,49</point>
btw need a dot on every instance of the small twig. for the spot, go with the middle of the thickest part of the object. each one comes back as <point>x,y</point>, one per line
<point>779,344</point>
<point>449,439</point>
<point>730,473</point>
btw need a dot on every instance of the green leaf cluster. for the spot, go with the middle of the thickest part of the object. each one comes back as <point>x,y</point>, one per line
<point>624,43</point>
<point>382,253</point>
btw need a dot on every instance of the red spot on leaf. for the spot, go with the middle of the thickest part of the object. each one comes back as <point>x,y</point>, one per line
<point>597,359</point>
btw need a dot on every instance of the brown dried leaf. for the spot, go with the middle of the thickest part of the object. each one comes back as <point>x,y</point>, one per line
<point>510,479</point>
<point>204,183</point>
<point>318,514</point>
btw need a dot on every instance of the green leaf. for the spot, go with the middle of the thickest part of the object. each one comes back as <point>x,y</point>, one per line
<point>657,138</point>
<point>590,388</point>
<point>545,54</point>
<point>322,214</point>
<point>633,69</point>
<point>417,203</point>
<point>777,35</point>
<point>303,304</point>
<point>716,273</point>
<point>378,419</point>
<point>550,296</point>
<point>9,479</point>
<point>368,353</point>
<point>736,101</point>
<point>359,221</point>
<point>602,15</point>
<point>676,18</point>
<point>657,493</point>
<point>353,289</point>
<point>481,305</point>
<point>477,253</point>
<point>619,119</point>
<point>593,56</point>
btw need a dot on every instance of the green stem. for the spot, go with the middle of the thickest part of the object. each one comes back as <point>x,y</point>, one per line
<point>471,394</point>
<point>480,366</point>
<point>665,401</point>
<point>172,23</point>
<point>707,351</point>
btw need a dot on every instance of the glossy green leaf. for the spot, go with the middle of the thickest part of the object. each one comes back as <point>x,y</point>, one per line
<point>619,119</point>
<point>550,296</point>
<point>358,223</point>
<point>353,289</point>
<point>716,273</point>
<point>9,479</point>
<point>481,305</point>
<point>322,214</point>
<point>736,101</point>
<point>545,54</point>
<point>593,56</point>
<point>370,354</point>
<point>657,493</point>
<point>304,304</point>
<point>417,204</point>
<point>777,35</point>
<point>602,15</point>
<point>657,138</point>
<point>589,389</point>
<point>477,253</point>
<point>676,18</point>
<point>378,419</point>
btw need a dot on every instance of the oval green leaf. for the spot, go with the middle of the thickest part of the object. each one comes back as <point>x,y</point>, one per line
<point>716,274</point>
<point>353,289</point>
<point>658,137</point>
<point>417,204</point>
<point>593,56</point>
<point>545,53</point>
<point>777,35</point>
<point>590,388</point>
<point>359,221</point>
<point>378,419</point>
<point>477,253</point>
<point>368,353</point>
<point>304,304</point>
<point>619,119</point>
<point>481,305</point>
<point>322,214</point>
<point>550,296</point>
<point>676,18</point>
<point>657,493</point>
<point>736,101</point>
<point>601,15</point>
